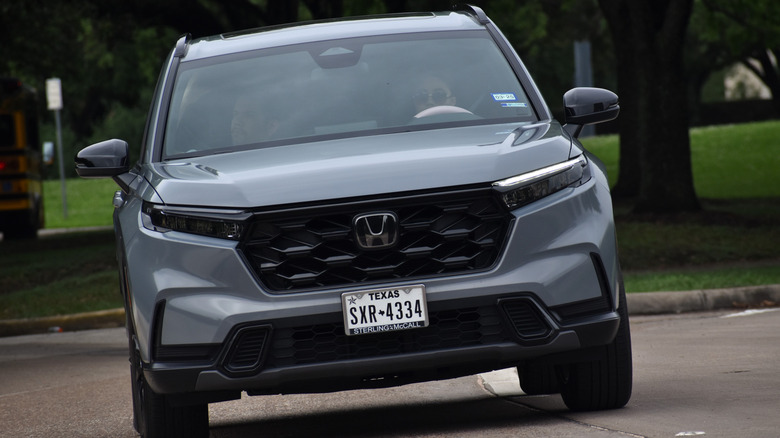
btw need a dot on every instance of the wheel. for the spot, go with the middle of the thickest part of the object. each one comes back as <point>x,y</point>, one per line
<point>538,378</point>
<point>606,382</point>
<point>154,417</point>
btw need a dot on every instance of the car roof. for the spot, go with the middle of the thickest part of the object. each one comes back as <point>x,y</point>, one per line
<point>351,27</point>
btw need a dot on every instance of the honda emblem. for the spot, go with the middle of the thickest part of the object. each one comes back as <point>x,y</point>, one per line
<point>376,230</point>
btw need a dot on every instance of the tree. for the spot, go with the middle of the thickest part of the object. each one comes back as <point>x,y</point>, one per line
<point>104,64</point>
<point>749,31</point>
<point>543,32</point>
<point>648,37</point>
<point>704,56</point>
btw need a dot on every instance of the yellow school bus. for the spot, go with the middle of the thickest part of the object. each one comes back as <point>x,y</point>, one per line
<point>21,198</point>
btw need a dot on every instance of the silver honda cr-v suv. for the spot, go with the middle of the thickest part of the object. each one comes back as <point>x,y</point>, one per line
<point>362,203</point>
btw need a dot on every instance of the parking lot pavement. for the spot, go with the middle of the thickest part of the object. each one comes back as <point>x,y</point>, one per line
<point>711,373</point>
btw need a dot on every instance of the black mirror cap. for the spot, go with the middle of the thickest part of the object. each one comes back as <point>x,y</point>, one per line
<point>105,159</point>
<point>587,106</point>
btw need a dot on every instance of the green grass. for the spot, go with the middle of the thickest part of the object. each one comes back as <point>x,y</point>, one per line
<point>705,278</point>
<point>66,296</point>
<point>88,202</point>
<point>725,232</point>
<point>735,241</point>
<point>735,172</point>
<point>58,274</point>
<point>729,161</point>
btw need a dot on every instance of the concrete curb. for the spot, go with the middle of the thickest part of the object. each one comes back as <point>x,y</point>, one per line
<point>645,303</point>
<point>654,303</point>
<point>80,321</point>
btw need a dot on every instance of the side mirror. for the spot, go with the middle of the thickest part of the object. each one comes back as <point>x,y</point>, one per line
<point>588,106</point>
<point>105,159</point>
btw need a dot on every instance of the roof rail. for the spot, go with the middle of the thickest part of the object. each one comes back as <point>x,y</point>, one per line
<point>477,12</point>
<point>181,46</point>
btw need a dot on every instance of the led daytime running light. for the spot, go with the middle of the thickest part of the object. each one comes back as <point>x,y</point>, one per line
<point>524,189</point>
<point>159,220</point>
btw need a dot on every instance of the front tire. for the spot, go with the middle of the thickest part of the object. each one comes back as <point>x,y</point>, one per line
<point>153,415</point>
<point>605,382</point>
<point>538,378</point>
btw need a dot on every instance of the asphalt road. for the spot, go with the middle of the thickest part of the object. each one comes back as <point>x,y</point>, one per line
<point>714,374</point>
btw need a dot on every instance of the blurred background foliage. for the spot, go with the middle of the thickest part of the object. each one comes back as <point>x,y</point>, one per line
<point>108,53</point>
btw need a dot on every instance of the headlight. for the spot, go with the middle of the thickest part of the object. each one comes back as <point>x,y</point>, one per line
<point>529,187</point>
<point>223,224</point>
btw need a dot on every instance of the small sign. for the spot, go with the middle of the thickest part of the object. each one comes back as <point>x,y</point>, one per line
<point>54,94</point>
<point>499,97</point>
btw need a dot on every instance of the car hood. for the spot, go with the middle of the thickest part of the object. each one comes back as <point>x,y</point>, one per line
<point>359,166</point>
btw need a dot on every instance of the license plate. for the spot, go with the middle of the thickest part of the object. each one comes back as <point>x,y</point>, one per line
<point>384,310</point>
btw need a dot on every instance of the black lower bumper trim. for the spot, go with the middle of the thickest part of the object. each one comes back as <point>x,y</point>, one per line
<point>390,368</point>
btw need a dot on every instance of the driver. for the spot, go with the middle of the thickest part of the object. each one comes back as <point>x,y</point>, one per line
<point>433,91</point>
<point>253,120</point>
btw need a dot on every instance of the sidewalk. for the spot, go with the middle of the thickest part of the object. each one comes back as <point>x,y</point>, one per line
<point>645,303</point>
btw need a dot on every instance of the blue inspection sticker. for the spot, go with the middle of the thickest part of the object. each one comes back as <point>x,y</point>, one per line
<point>503,97</point>
<point>514,104</point>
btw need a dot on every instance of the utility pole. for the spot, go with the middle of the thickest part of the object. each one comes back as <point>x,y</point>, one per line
<point>54,102</point>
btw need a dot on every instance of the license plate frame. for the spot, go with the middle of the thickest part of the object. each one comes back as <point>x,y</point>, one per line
<point>384,310</point>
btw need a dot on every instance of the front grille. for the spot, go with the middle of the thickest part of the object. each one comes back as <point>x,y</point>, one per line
<point>310,344</point>
<point>438,234</point>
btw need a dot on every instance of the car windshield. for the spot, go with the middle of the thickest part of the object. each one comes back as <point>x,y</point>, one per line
<point>341,88</point>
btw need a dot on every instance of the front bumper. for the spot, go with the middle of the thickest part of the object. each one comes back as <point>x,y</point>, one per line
<point>465,337</point>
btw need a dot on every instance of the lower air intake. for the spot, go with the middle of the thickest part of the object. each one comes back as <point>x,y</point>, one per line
<point>525,318</point>
<point>246,352</point>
